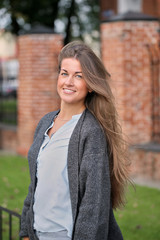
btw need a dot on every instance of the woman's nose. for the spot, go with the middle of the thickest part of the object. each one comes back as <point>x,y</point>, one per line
<point>69,80</point>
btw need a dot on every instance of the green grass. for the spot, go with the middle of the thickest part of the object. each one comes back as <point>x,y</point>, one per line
<point>139,220</point>
<point>9,104</point>
<point>14,181</point>
<point>8,111</point>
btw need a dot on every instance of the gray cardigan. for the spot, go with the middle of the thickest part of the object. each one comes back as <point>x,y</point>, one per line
<point>89,181</point>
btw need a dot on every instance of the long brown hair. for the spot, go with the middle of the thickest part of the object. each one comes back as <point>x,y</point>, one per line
<point>101,103</point>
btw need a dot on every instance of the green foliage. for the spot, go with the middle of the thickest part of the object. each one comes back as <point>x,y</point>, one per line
<point>76,16</point>
<point>139,220</point>
<point>30,12</point>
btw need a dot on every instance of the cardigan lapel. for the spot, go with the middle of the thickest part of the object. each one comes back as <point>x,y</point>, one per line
<point>38,142</point>
<point>73,165</point>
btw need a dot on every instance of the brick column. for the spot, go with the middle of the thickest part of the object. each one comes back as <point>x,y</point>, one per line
<point>151,7</point>
<point>37,83</point>
<point>125,54</point>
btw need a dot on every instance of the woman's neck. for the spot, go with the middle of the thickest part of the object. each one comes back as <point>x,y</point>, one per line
<point>66,112</point>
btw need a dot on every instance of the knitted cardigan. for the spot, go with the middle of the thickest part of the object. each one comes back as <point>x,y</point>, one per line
<point>89,181</point>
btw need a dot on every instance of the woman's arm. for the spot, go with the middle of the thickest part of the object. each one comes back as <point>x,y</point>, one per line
<point>27,202</point>
<point>24,229</point>
<point>92,221</point>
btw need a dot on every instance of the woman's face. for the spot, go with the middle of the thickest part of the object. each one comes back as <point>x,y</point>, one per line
<point>71,85</point>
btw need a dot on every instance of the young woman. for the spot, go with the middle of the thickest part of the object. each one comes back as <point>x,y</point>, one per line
<point>77,160</point>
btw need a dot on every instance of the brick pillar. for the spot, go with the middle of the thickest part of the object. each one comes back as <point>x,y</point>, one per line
<point>151,7</point>
<point>37,83</point>
<point>126,56</point>
<point>107,8</point>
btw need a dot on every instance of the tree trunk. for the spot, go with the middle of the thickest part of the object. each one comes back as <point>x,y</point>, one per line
<point>68,27</point>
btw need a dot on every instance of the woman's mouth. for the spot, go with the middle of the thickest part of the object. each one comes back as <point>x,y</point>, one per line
<point>69,91</point>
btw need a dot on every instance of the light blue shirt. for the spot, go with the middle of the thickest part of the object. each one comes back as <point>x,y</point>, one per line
<point>52,206</point>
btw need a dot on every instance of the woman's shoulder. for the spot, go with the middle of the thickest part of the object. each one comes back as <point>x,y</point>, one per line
<point>45,121</point>
<point>91,127</point>
<point>92,136</point>
<point>90,122</point>
<point>49,116</point>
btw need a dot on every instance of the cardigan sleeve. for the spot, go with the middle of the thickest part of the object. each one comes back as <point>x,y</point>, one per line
<point>92,221</point>
<point>26,206</point>
<point>27,201</point>
<point>44,121</point>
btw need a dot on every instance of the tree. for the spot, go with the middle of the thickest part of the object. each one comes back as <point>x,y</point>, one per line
<point>76,16</point>
<point>24,14</point>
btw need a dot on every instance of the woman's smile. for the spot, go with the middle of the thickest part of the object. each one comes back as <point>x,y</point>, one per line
<point>68,91</point>
<point>71,85</point>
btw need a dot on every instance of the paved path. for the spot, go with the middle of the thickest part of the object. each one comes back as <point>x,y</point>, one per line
<point>4,152</point>
<point>147,182</point>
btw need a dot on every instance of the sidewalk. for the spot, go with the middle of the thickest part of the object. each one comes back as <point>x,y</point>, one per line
<point>146,182</point>
<point>4,152</point>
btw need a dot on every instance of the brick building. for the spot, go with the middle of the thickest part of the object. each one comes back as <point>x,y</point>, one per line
<point>114,7</point>
<point>130,51</point>
<point>37,95</point>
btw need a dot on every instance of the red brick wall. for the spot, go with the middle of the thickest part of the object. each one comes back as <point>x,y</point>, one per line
<point>126,57</point>
<point>37,83</point>
<point>107,5</point>
<point>145,164</point>
<point>151,7</point>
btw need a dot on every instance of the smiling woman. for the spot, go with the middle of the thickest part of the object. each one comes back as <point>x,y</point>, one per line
<point>77,160</point>
<point>72,87</point>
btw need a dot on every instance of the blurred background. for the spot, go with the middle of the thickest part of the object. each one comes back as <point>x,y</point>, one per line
<point>125,34</point>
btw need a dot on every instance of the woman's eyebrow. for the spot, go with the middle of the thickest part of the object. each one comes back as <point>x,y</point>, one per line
<point>63,70</point>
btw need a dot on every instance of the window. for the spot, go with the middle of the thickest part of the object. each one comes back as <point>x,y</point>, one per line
<point>129,5</point>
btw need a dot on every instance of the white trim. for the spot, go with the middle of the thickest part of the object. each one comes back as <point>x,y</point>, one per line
<point>129,5</point>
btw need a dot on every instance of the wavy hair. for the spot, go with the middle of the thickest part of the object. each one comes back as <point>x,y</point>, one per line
<point>102,105</point>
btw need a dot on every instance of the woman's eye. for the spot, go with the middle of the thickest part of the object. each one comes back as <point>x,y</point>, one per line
<point>64,74</point>
<point>79,76</point>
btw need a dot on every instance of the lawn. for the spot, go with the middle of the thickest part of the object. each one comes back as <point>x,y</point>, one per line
<point>14,180</point>
<point>8,111</point>
<point>139,220</point>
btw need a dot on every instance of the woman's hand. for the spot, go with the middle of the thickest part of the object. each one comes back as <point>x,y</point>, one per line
<point>26,238</point>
